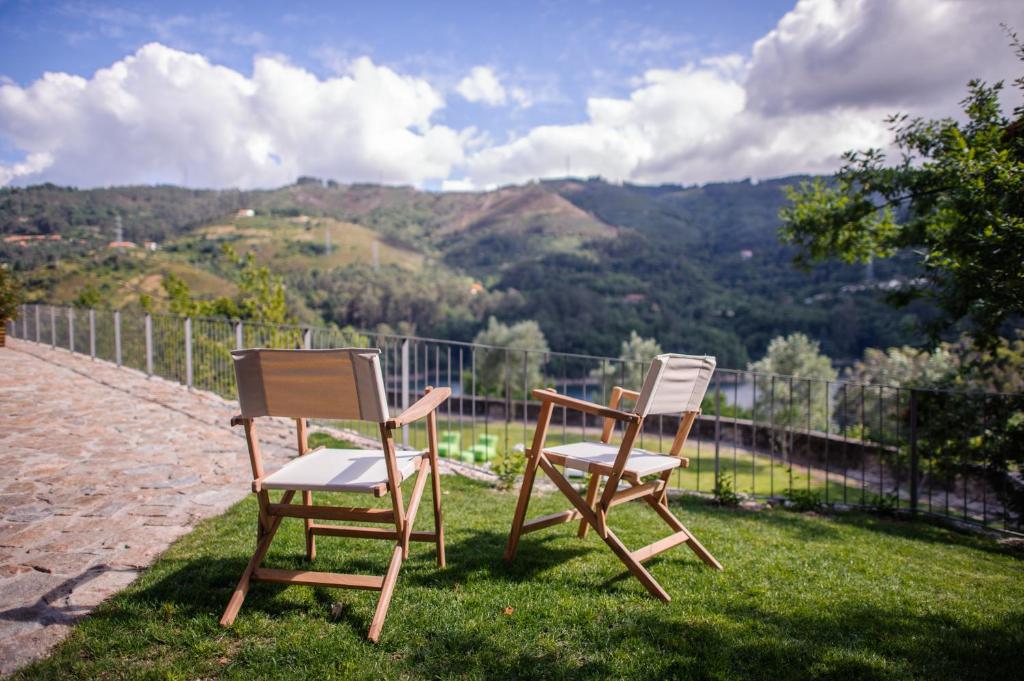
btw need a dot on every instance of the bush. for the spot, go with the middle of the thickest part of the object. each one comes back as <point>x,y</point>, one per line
<point>508,466</point>
<point>804,500</point>
<point>724,493</point>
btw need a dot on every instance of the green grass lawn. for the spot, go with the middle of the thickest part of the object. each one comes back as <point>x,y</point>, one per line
<point>802,596</point>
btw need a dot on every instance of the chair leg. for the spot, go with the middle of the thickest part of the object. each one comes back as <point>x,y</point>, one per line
<point>521,505</point>
<point>262,546</point>
<point>307,499</point>
<point>595,481</point>
<point>635,567</point>
<point>673,522</point>
<point>616,545</point>
<point>435,489</point>
<point>387,591</point>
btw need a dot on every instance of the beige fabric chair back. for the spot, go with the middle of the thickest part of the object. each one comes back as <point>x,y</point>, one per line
<point>674,384</point>
<point>328,384</point>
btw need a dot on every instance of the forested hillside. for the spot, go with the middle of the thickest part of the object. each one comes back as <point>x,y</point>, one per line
<point>699,268</point>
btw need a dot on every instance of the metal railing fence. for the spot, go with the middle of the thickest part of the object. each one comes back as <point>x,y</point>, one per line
<point>954,454</point>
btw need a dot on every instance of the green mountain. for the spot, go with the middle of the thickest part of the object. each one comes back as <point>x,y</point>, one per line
<point>699,268</point>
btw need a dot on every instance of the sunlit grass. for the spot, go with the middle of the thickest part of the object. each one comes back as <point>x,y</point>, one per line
<point>802,596</point>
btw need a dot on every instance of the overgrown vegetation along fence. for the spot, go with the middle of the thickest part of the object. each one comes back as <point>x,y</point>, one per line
<point>948,453</point>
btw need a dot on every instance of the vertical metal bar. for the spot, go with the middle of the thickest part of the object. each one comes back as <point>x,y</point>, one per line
<point>472,422</point>
<point>149,344</point>
<point>526,393</point>
<point>405,387</point>
<point>807,442</point>
<point>92,333</point>
<point>735,426</point>
<point>790,417</point>
<point>53,327</point>
<point>37,307</point>
<point>913,452</point>
<point>880,446</point>
<point>508,396</point>
<point>718,424</point>
<point>448,403</point>
<point>771,441</point>
<point>117,337</point>
<point>828,424</point>
<point>863,448</point>
<point>307,339</point>
<point>71,329</point>
<point>846,442</point>
<point>239,339</point>
<point>188,351</point>
<point>753,436</point>
<point>898,464</point>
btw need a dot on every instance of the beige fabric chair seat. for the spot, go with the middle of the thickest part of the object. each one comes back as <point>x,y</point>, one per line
<point>582,455</point>
<point>340,470</point>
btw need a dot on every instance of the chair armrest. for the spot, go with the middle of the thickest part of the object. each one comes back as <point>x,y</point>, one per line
<point>423,406</point>
<point>545,395</point>
<point>629,394</point>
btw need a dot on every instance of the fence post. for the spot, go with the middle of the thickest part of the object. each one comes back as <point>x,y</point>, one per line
<point>307,338</point>
<point>718,427</point>
<point>53,327</point>
<point>238,335</point>
<point>913,452</point>
<point>24,322</point>
<point>117,337</point>
<point>405,387</point>
<point>38,336</point>
<point>188,351</point>
<point>92,333</point>
<point>71,329</point>
<point>149,344</point>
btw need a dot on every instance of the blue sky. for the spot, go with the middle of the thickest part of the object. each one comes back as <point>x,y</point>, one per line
<point>470,93</point>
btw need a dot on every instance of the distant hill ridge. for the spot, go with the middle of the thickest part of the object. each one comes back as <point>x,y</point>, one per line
<point>698,267</point>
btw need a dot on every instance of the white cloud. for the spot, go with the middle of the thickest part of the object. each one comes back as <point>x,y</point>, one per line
<point>820,83</point>
<point>920,53</point>
<point>162,115</point>
<point>482,85</point>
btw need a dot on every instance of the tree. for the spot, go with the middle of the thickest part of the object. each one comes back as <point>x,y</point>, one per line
<point>515,357</point>
<point>876,399</point>
<point>796,396</point>
<point>636,355</point>
<point>11,293</point>
<point>260,294</point>
<point>955,196</point>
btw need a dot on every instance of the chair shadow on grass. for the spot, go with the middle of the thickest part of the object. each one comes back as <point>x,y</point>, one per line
<point>847,640</point>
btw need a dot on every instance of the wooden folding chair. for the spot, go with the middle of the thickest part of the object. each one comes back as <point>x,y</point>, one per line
<point>674,384</point>
<point>344,384</point>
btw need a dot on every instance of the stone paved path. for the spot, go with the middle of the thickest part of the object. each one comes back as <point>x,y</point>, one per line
<point>102,468</point>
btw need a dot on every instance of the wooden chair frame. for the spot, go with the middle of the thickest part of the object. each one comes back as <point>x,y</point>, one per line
<point>400,516</point>
<point>592,510</point>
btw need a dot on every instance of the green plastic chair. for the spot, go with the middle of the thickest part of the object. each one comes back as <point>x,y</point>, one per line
<point>485,449</point>
<point>448,444</point>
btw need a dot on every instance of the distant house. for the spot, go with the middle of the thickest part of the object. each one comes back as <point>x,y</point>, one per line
<point>746,254</point>
<point>150,245</point>
<point>476,288</point>
<point>24,240</point>
<point>634,298</point>
<point>122,244</point>
<point>245,213</point>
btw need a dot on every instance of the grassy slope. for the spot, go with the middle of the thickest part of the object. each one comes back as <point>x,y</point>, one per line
<point>288,245</point>
<point>802,596</point>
